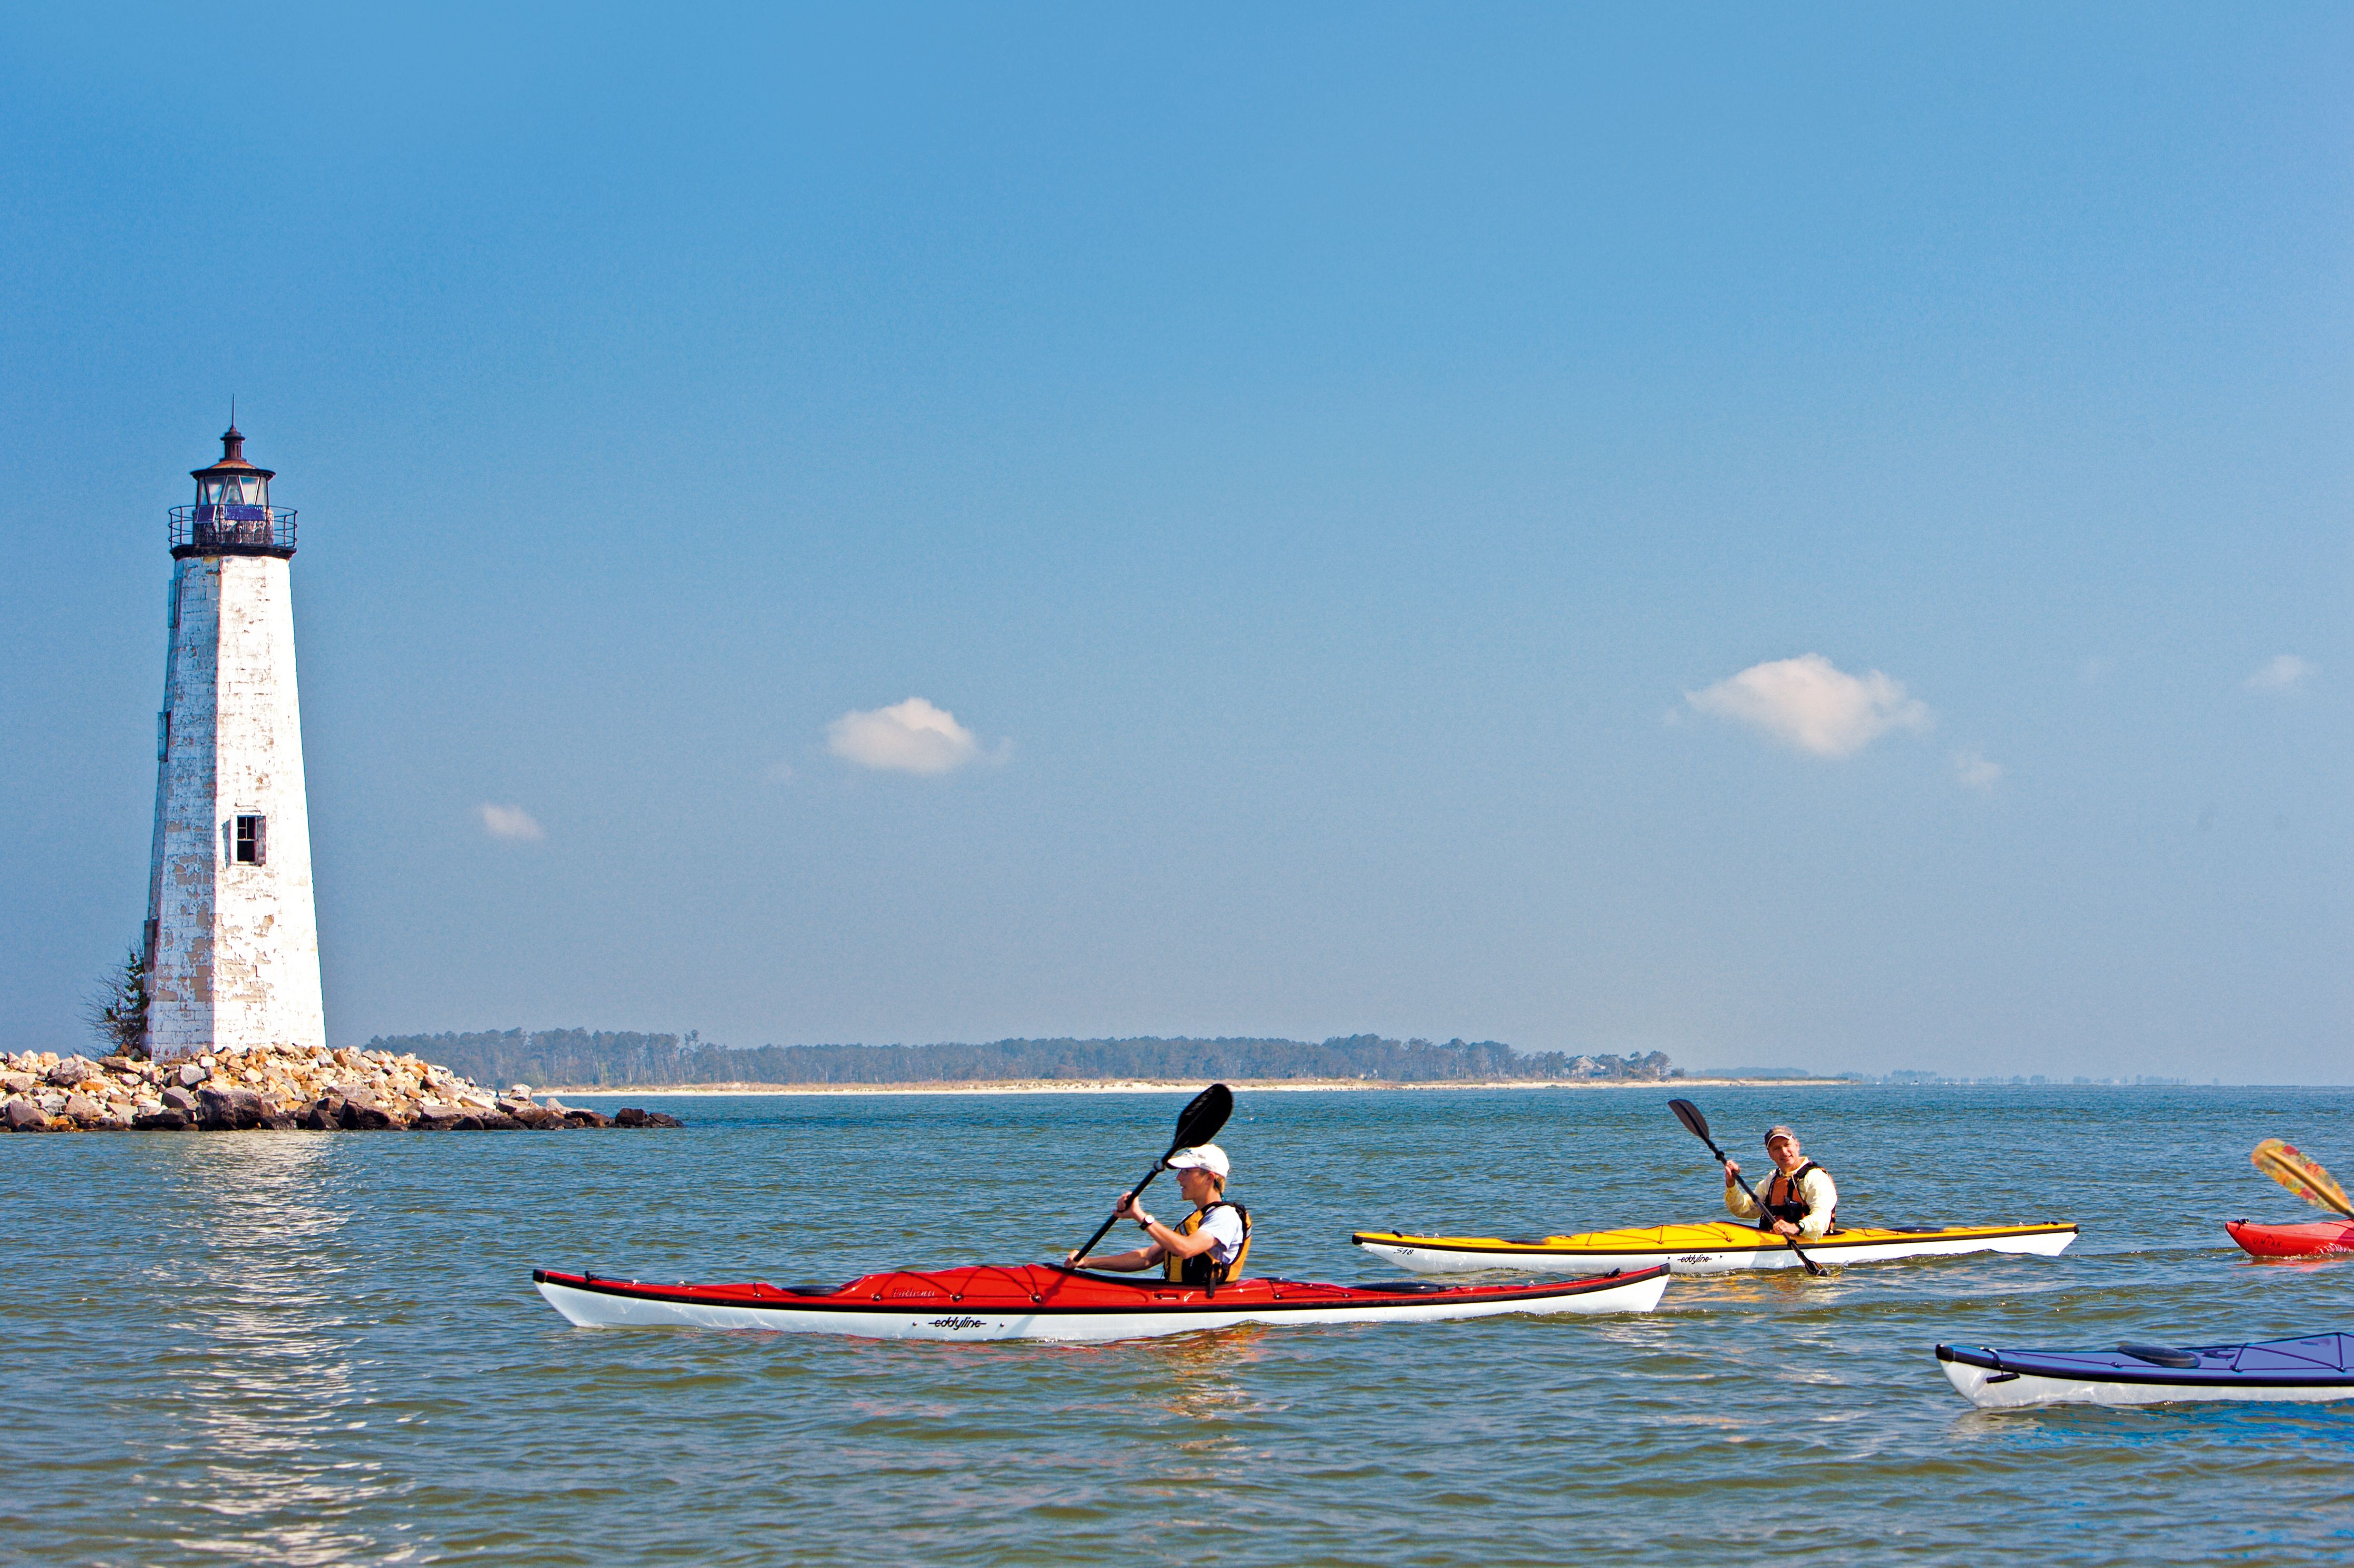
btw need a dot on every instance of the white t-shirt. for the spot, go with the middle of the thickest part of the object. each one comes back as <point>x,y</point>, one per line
<point>1224,1226</point>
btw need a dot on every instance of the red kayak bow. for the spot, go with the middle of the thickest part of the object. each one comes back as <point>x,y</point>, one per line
<point>2320,1239</point>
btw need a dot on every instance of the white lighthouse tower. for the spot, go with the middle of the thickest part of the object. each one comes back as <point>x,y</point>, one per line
<point>232,937</point>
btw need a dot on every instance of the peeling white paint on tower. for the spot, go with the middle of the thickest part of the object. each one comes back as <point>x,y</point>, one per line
<point>232,936</point>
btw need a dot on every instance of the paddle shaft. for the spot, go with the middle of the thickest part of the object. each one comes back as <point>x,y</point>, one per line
<point>1105,1229</point>
<point>1812,1266</point>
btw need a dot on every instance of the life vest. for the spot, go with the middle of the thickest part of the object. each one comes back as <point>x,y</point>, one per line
<point>1199,1269</point>
<point>1782,1200</point>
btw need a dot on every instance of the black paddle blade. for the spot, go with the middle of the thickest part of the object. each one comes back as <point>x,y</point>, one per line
<point>1689,1114</point>
<point>1204,1114</point>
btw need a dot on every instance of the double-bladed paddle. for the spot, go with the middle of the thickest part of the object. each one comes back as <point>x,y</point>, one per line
<point>1697,1125</point>
<point>1199,1122</point>
<point>2301,1175</point>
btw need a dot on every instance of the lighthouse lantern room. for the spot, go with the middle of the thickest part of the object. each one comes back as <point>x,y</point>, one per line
<point>231,942</point>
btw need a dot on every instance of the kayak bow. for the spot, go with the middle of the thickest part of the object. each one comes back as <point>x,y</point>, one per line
<point>2318,1367</point>
<point>1717,1246</point>
<point>1044,1301</point>
<point>2315,1240</point>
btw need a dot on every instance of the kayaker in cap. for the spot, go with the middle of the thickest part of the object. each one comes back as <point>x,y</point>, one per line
<point>1207,1246</point>
<point>1800,1199</point>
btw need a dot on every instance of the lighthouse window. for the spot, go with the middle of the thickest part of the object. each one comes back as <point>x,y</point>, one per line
<point>252,845</point>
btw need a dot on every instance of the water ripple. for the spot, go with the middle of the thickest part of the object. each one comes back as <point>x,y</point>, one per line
<point>311,1349</point>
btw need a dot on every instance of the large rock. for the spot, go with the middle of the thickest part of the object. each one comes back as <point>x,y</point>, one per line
<point>365,1114</point>
<point>633,1115</point>
<point>15,1083</point>
<point>165,1120</point>
<point>73,1070</point>
<point>24,1115</point>
<point>83,1110</point>
<point>221,1110</point>
<point>579,1116</point>
<point>192,1074</point>
<point>179,1099</point>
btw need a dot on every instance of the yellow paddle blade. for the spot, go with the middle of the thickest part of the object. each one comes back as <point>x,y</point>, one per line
<point>2300,1175</point>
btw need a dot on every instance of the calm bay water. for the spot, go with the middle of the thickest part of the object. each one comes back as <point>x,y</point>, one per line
<point>323,1348</point>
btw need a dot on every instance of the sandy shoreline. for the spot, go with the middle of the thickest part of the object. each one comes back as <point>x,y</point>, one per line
<point>1154,1087</point>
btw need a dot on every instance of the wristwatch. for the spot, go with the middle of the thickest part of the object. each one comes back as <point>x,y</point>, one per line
<point>1146,1221</point>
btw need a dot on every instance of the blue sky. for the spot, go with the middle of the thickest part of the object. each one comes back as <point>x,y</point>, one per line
<point>1811,537</point>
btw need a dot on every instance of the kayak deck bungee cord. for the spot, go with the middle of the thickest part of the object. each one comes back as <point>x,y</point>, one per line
<point>1715,1246</point>
<point>2306,1371</point>
<point>1048,1301</point>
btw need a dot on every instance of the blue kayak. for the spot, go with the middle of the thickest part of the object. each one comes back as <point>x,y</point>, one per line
<point>2318,1367</point>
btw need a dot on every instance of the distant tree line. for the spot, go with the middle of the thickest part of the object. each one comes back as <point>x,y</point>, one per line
<point>549,1056</point>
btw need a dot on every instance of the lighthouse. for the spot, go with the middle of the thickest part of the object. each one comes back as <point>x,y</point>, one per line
<point>231,943</point>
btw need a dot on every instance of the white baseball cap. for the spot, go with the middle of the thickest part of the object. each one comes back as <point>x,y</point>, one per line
<point>1208,1157</point>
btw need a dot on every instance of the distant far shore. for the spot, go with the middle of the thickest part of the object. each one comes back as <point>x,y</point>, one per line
<point>1148,1086</point>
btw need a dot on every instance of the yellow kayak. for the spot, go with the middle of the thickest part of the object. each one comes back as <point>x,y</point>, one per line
<point>1716,1246</point>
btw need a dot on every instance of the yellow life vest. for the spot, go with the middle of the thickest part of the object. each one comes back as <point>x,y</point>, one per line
<point>1199,1269</point>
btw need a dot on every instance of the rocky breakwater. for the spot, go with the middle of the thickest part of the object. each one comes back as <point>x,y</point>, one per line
<point>274,1086</point>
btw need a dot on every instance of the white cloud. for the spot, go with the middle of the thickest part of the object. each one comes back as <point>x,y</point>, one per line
<point>510,823</point>
<point>2284,674</point>
<point>912,736</point>
<point>1975,770</point>
<point>1811,703</point>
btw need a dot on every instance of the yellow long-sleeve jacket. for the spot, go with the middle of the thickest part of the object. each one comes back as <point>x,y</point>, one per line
<point>1815,1189</point>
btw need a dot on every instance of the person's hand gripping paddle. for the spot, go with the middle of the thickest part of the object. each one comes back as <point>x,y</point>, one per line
<point>2301,1175</point>
<point>1697,1125</point>
<point>1199,1122</point>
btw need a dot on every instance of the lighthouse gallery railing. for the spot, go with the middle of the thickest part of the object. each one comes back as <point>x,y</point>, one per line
<point>232,527</point>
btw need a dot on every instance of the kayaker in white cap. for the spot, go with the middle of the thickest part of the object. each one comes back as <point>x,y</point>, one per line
<point>1207,1246</point>
<point>1800,1201</point>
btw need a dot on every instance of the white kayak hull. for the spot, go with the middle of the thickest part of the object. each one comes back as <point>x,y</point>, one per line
<point>594,1308</point>
<point>1990,1389</point>
<point>1441,1260</point>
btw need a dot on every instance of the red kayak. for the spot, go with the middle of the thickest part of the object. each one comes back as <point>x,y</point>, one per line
<point>2319,1239</point>
<point>1041,1301</point>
